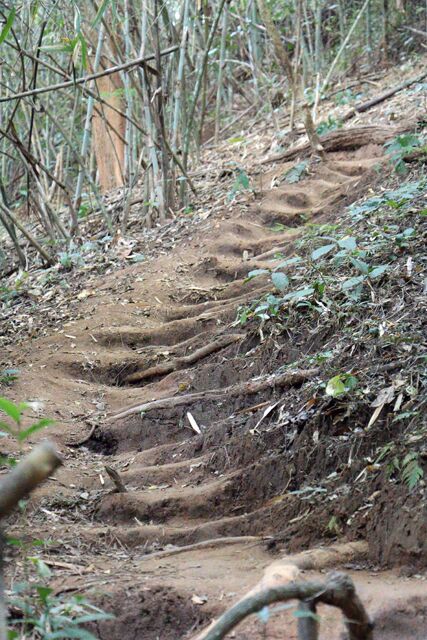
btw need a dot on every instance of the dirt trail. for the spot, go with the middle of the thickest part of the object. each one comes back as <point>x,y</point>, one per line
<point>183,487</point>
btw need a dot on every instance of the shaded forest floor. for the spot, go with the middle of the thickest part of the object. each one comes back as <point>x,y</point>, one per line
<point>226,412</point>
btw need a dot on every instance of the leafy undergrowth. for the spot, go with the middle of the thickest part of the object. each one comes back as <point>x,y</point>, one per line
<point>355,296</point>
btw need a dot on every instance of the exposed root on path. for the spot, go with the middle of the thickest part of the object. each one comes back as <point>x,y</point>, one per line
<point>206,544</point>
<point>247,388</point>
<point>184,361</point>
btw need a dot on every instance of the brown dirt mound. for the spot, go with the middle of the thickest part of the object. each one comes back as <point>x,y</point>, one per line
<point>150,614</point>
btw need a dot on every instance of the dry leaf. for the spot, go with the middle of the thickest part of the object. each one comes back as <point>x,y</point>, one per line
<point>193,423</point>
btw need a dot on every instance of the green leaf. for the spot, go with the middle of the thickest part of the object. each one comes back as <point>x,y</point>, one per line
<point>288,262</point>
<point>294,174</point>
<point>360,265</point>
<point>43,592</point>
<point>41,424</point>
<point>100,13</point>
<point>83,47</point>
<point>42,568</point>
<point>411,470</point>
<point>352,282</point>
<point>347,243</point>
<point>300,293</point>
<point>70,632</point>
<point>322,251</point>
<point>278,227</point>
<point>335,386</point>
<point>8,25</point>
<point>7,429</point>
<point>376,272</point>
<point>92,617</point>
<point>340,384</point>
<point>11,409</point>
<point>242,179</point>
<point>255,273</point>
<point>280,280</point>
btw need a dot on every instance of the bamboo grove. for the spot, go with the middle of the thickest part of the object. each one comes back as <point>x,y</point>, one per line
<point>105,95</point>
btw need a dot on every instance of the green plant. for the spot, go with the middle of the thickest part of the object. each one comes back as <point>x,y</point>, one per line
<point>331,124</point>
<point>46,616</point>
<point>333,526</point>
<point>295,173</point>
<point>341,384</point>
<point>400,147</point>
<point>14,412</point>
<point>411,471</point>
<point>70,259</point>
<point>346,96</point>
<point>396,199</point>
<point>8,377</point>
<point>345,250</point>
<point>36,609</point>
<point>240,184</point>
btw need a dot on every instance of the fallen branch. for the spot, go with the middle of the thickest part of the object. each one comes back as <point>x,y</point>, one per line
<point>25,477</point>
<point>365,106</point>
<point>183,361</point>
<point>247,388</point>
<point>288,570</point>
<point>342,140</point>
<point>204,544</point>
<point>338,591</point>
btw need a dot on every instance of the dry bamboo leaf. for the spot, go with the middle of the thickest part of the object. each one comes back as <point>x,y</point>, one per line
<point>193,423</point>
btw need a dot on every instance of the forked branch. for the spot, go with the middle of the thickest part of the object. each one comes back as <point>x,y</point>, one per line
<point>338,591</point>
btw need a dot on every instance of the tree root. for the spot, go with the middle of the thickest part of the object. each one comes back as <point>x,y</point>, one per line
<point>287,570</point>
<point>247,388</point>
<point>344,139</point>
<point>337,591</point>
<point>205,544</point>
<point>184,361</point>
<point>190,311</point>
<point>316,559</point>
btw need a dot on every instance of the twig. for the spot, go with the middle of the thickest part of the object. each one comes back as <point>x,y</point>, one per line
<point>247,388</point>
<point>116,479</point>
<point>94,76</point>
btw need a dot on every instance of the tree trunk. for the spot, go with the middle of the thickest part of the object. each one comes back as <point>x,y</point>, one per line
<point>109,130</point>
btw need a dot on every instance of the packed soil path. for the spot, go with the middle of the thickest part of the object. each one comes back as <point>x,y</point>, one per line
<point>158,382</point>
